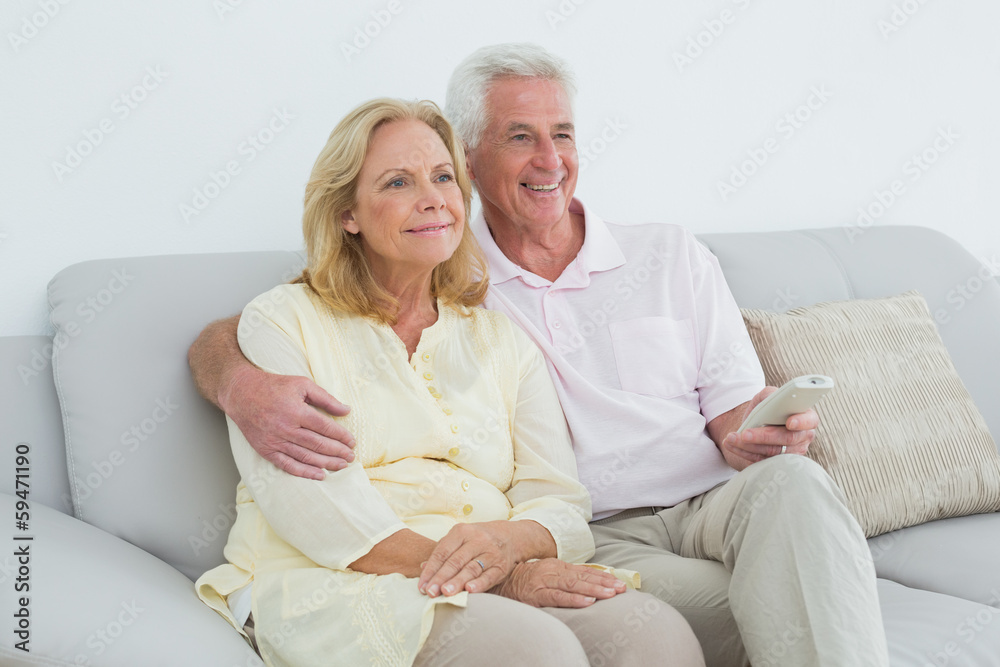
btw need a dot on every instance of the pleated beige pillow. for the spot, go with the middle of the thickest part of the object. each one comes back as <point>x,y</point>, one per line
<point>899,433</point>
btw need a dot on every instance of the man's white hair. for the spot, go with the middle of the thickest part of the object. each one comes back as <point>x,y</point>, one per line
<point>465,100</point>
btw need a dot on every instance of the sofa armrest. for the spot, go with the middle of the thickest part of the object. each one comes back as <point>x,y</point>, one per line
<point>29,413</point>
<point>80,596</point>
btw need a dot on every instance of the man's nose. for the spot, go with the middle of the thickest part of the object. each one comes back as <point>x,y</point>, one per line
<point>547,155</point>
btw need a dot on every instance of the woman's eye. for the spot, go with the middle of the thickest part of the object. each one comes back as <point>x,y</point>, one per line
<point>396,183</point>
<point>444,178</point>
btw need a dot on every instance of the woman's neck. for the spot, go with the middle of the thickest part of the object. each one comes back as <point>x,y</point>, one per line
<point>417,308</point>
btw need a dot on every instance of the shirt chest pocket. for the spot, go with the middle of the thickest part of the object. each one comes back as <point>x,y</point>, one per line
<point>656,356</point>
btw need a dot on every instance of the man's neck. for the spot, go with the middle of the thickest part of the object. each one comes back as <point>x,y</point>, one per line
<point>544,251</point>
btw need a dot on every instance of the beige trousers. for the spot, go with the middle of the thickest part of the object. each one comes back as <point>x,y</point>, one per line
<point>769,568</point>
<point>629,629</point>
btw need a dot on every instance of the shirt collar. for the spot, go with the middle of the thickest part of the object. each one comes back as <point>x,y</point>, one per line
<point>600,251</point>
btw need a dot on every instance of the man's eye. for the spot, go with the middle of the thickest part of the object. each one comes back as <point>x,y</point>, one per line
<point>520,137</point>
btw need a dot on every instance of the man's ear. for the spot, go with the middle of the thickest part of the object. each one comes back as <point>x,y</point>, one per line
<point>348,222</point>
<point>468,162</point>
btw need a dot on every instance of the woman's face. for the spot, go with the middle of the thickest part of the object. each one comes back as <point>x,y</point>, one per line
<point>409,209</point>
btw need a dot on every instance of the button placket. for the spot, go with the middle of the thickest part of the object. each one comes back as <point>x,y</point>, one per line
<point>432,389</point>
<point>552,311</point>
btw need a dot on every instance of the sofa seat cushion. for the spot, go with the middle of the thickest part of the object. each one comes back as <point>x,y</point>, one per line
<point>93,599</point>
<point>899,433</point>
<point>958,556</point>
<point>926,628</point>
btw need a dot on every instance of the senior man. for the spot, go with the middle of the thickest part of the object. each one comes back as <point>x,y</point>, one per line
<point>655,372</point>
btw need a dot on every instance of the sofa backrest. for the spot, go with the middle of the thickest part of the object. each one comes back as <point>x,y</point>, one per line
<point>148,458</point>
<point>783,270</point>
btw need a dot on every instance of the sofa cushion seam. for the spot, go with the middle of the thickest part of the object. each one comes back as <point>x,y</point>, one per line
<point>836,260</point>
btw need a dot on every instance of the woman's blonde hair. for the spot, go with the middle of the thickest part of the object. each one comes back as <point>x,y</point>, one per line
<point>338,270</point>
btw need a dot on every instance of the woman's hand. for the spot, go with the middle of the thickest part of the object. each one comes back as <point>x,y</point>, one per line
<point>551,582</point>
<point>475,557</point>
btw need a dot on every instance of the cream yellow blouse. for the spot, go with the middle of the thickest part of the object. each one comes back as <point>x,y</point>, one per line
<point>469,429</point>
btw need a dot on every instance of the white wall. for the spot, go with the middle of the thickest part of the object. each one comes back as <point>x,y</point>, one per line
<point>662,133</point>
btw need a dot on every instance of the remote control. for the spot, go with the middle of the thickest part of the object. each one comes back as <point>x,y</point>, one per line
<point>795,396</point>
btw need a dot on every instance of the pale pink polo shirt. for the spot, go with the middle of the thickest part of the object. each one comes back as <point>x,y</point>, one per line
<point>645,345</point>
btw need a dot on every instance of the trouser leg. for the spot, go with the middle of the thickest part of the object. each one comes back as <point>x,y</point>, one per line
<point>632,629</point>
<point>696,589</point>
<point>803,586</point>
<point>629,629</point>
<point>493,631</point>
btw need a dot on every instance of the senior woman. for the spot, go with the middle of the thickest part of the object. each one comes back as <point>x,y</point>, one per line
<point>454,532</point>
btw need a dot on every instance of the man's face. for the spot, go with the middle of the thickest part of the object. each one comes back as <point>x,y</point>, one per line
<point>525,166</point>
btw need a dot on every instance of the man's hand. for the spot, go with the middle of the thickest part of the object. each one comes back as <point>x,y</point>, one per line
<point>278,416</point>
<point>757,444</point>
<point>553,583</point>
<point>276,413</point>
<point>454,565</point>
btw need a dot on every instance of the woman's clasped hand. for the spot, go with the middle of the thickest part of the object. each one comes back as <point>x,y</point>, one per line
<point>454,566</point>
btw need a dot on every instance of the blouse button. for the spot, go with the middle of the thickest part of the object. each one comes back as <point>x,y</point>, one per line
<point>467,510</point>
<point>465,485</point>
<point>433,390</point>
<point>428,375</point>
<point>426,356</point>
<point>447,411</point>
<point>453,452</point>
<point>454,428</point>
<point>435,394</point>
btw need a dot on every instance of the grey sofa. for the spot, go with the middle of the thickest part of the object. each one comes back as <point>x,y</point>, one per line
<point>131,488</point>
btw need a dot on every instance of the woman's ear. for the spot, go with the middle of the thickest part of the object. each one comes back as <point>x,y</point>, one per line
<point>348,222</point>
